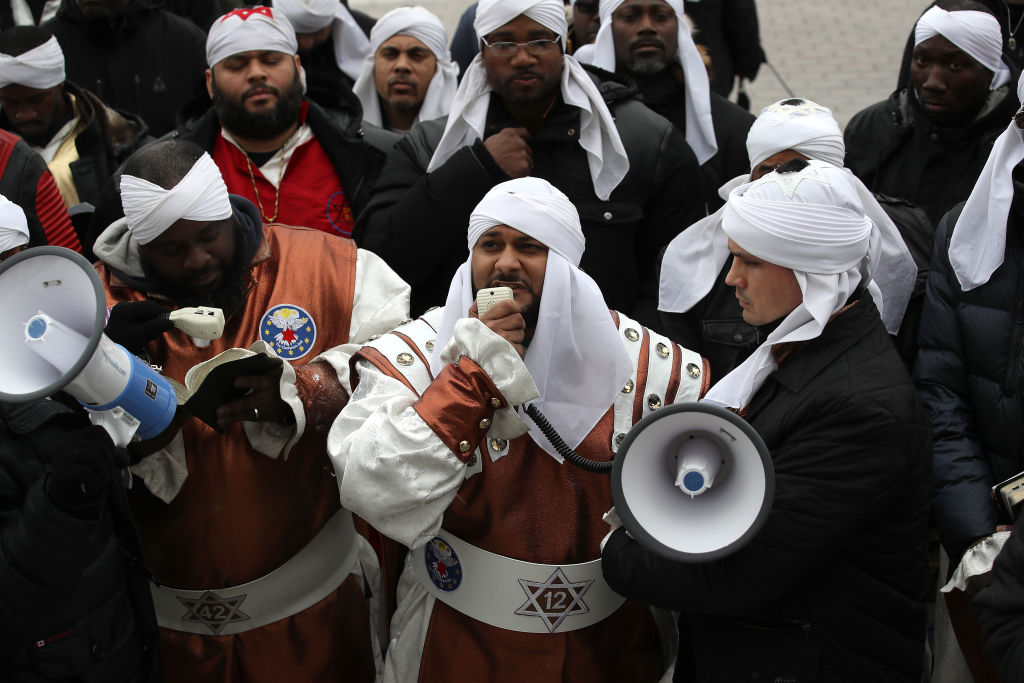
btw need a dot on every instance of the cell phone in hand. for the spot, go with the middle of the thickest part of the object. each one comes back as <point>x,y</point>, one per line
<point>487,297</point>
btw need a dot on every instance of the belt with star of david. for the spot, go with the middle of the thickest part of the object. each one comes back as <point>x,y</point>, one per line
<point>513,594</point>
<point>307,578</point>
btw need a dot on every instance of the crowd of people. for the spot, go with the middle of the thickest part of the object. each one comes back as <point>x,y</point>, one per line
<point>387,497</point>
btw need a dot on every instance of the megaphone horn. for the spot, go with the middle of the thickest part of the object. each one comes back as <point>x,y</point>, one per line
<point>693,482</point>
<point>52,312</point>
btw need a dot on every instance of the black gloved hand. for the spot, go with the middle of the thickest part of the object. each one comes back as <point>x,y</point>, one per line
<point>81,471</point>
<point>134,323</point>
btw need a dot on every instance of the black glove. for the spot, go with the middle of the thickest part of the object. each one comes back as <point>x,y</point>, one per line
<point>134,323</point>
<point>81,471</point>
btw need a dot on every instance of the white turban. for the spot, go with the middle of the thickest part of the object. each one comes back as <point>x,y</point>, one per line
<point>978,244</point>
<point>13,226</point>
<point>700,132</point>
<point>606,156</point>
<point>812,222</point>
<point>310,16</point>
<point>575,357</point>
<point>425,27</point>
<point>249,28</point>
<point>976,33</point>
<point>150,209</point>
<point>807,128</point>
<point>41,67</point>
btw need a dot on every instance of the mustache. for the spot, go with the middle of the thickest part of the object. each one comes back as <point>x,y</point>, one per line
<point>647,42</point>
<point>259,89</point>
<point>401,79</point>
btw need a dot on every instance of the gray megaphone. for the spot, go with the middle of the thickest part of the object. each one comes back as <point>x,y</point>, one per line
<point>52,314</point>
<point>693,482</point>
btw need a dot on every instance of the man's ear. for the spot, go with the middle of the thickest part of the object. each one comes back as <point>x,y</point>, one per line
<point>209,82</point>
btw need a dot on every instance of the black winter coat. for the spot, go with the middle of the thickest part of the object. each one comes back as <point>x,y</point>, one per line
<point>895,150</point>
<point>666,95</point>
<point>728,30</point>
<point>968,372</point>
<point>352,147</point>
<point>144,60</point>
<point>831,589</point>
<point>76,604</point>
<point>1000,609</point>
<point>417,221</point>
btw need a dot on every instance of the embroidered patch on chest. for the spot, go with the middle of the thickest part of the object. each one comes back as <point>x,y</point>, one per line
<point>289,329</point>
<point>443,564</point>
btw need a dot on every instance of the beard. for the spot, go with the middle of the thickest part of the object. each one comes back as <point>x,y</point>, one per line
<point>530,311</point>
<point>237,119</point>
<point>229,294</point>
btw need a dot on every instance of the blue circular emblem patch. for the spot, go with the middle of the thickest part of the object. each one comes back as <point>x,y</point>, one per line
<point>289,329</point>
<point>443,564</point>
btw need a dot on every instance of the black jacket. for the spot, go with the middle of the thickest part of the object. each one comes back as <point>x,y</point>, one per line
<point>351,147</point>
<point>1000,609</point>
<point>968,372</point>
<point>728,30</point>
<point>76,603</point>
<point>666,95</point>
<point>145,60</point>
<point>896,150</point>
<point>417,221</point>
<point>106,139</point>
<point>831,588</point>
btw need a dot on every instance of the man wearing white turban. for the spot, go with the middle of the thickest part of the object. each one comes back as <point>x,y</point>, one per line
<point>81,139</point>
<point>650,41</point>
<point>301,164</point>
<point>830,588</point>
<point>524,107</point>
<point>332,42</point>
<point>968,370</point>
<point>437,451</point>
<point>408,76</point>
<point>928,142</point>
<point>261,574</point>
<point>706,316</point>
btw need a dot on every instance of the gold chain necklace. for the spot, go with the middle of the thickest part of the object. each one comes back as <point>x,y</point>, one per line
<point>277,190</point>
<point>1012,42</point>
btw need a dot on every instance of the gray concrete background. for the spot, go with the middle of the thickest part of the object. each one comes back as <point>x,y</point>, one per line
<point>841,53</point>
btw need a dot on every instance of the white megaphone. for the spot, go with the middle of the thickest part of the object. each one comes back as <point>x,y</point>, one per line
<point>52,314</point>
<point>693,482</point>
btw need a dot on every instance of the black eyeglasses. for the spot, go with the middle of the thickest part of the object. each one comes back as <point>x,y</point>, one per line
<point>535,48</point>
<point>589,8</point>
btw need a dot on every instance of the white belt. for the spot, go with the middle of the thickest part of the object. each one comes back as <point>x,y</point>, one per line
<point>512,594</point>
<point>304,580</point>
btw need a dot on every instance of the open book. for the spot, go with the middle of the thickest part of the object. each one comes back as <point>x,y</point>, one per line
<point>210,384</point>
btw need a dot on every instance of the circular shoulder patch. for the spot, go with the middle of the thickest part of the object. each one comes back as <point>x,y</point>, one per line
<point>289,329</point>
<point>443,564</point>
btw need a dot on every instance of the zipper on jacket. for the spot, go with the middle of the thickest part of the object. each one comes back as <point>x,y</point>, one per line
<point>1013,357</point>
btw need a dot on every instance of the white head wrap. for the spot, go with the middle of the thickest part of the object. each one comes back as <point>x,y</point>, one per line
<point>249,28</point>
<point>41,67</point>
<point>976,33</point>
<point>978,244</point>
<point>606,156</point>
<point>700,132</point>
<point>807,128</point>
<point>310,16</point>
<point>696,256</point>
<point>575,357</point>
<point>150,209</point>
<point>13,226</point>
<point>811,222</point>
<point>425,27</point>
